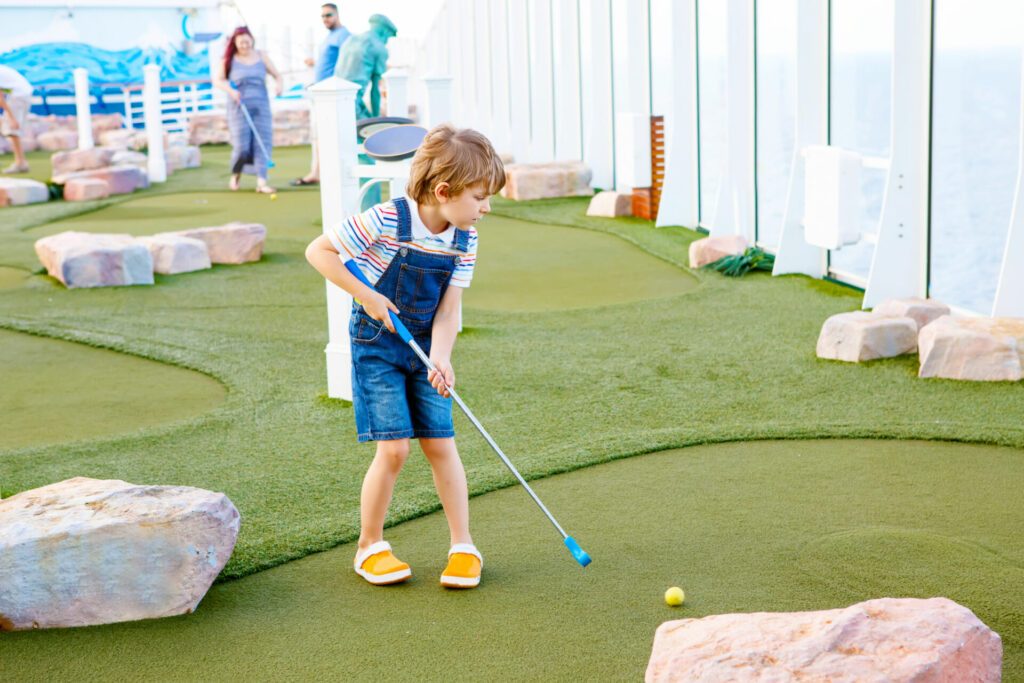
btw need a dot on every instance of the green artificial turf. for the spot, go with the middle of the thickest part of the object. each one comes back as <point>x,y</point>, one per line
<point>741,527</point>
<point>58,391</point>
<point>626,367</point>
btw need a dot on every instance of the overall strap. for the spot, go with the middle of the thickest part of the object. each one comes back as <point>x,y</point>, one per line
<point>461,241</point>
<point>404,220</point>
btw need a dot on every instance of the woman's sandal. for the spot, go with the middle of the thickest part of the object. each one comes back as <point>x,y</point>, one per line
<point>464,566</point>
<point>379,566</point>
<point>266,189</point>
<point>234,183</point>
<point>299,182</point>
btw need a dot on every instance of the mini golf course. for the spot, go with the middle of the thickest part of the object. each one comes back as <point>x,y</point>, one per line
<point>765,478</point>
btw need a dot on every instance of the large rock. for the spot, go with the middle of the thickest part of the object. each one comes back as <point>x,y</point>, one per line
<point>923,311</point>
<point>980,349</point>
<point>174,254</point>
<point>64,163</point>
<point>128,157</point>
<point>123,179</point>
<point>57,140</point>
<point>887,640</point>
<point>124,138</point>
<point>18,191</point>
<point>83,189</point>
<point>553,179</point>
<point>231,243</point>
<point>83,259</point>
<point>610,204</point>
<point>859,336</point>
<point>88,551</point>
<point>180,157</point>
<point>710,249</point>
<point>206,128</point>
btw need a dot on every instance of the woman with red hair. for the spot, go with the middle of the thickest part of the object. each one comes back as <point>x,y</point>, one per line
<point>243,76</point>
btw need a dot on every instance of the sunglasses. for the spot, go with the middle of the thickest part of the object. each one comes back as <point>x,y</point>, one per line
<point>327,16</point>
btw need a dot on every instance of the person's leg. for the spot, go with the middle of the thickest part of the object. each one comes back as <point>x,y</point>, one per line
<point>378,485</point>
<point>19,153</point>
<point>450,480</point>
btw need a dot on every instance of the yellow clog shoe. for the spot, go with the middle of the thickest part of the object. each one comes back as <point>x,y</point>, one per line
<point>379,566</point>
<point>464,565</point>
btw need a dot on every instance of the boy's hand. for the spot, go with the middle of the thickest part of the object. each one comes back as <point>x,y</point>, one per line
<point>377,307</point>
<point>441,375</point>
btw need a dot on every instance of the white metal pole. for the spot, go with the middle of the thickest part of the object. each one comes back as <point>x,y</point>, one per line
<point>397,83</point>
<point>734,211</point>
<point>795,255</point>
<point>595,78</point>
<point>156,164</point>
<point>83,109</point>
<point>334,101</point>
<point>1009,299</point>
<point>898,268</point>
<point>680,201</point>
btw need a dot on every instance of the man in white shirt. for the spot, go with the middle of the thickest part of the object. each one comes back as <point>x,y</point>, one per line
<point>15,100</point>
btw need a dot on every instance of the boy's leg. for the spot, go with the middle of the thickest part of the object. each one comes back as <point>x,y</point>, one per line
<point>450,480</point>
<point>378,485</point>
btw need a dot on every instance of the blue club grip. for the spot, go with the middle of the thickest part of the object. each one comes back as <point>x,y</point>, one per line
<point>577,552</point>
<point>400,328</point>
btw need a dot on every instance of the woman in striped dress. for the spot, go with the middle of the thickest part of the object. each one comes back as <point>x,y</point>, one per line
<point>243,76</point>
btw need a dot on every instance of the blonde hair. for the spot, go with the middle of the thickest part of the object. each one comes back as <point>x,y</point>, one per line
<point>458,156</point>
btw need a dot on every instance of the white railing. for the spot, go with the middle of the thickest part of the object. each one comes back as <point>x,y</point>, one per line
<point>179,101</point>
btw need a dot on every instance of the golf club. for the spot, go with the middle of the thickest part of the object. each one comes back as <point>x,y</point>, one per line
<point>259,140</point>
<point>577,552</point>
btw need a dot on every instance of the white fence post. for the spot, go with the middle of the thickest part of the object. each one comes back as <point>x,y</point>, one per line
<point>397,83</point>
<point>795,255</point>
<point>542,137</point>
<point>1009,299</point>
<point>83,109</point>
<point>519,80</point>
<point>334,100</point>
<point>631,72</point>
<point>156,164</point>
<point>501,120</point>
<point>898,268</point>
<point>595,88</point>
<point>680,199</point>
<point>439,100</point>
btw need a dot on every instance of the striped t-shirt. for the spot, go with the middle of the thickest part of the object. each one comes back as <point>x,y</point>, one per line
<point>371,238</point>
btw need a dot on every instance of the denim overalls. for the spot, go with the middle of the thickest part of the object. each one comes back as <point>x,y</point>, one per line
<point>391,396</point>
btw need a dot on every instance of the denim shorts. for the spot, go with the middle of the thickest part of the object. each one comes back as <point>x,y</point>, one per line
<point>391,396</point>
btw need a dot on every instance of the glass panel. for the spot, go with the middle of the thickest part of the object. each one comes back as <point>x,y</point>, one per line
<point>712,114</point>
<point>860,108</point>
<point>975,146</point>
<point>776,113</point>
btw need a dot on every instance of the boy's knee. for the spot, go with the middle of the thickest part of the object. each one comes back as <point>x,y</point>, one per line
<point>393,453</point>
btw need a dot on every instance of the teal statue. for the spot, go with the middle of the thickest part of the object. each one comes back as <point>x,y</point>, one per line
<point>364,59</point>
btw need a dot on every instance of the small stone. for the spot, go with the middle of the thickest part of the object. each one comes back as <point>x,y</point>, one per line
<point>232,243</point>
<point>83,189</point>
<point>19,191</point>
<point>84,259</point>
<point>174,254</point>
<point>552,179</point>
<point>923,311</point>
<point>610,204</point>
<point>710,249</point>
<point>978,349</point>
<point>859,336</point>
<point>120,179</point>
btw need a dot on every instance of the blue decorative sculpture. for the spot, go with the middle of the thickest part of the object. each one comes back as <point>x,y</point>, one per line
<point>364,59</point>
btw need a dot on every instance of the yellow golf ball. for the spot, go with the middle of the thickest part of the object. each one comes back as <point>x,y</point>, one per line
<point>674,596</point>
<point>273,196</point>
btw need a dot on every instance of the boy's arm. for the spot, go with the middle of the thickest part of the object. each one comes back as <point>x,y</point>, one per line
<point>442,338</point>
<point>322,255</point>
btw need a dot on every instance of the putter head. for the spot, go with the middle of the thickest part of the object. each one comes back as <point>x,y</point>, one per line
<point>271,164</point>
<point>578,553</point>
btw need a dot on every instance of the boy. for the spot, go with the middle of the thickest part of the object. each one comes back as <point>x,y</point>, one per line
<point>15,100</point>
<point>419,252</point>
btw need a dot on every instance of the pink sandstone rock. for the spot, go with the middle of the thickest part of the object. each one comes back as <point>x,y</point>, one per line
<point>84,259</point>
<point>609,204</point>
<point>127,157</point>
<point>123,138</point>
<point>859,336</point>
<point>19,191</point>
<point>83,189</point>
<point>120,179</point>
<point>206,128</point>
<point>979,349</point>
<point>232,243</point>
<point>923,311</point>
<point>173,254</point>
<point>80,160</point>
<point>56,140</point>
<point>182,157</point>
<point>88,551</point>
<point>553,179</point>
<point>889,640</point>
<point>710,249</point>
